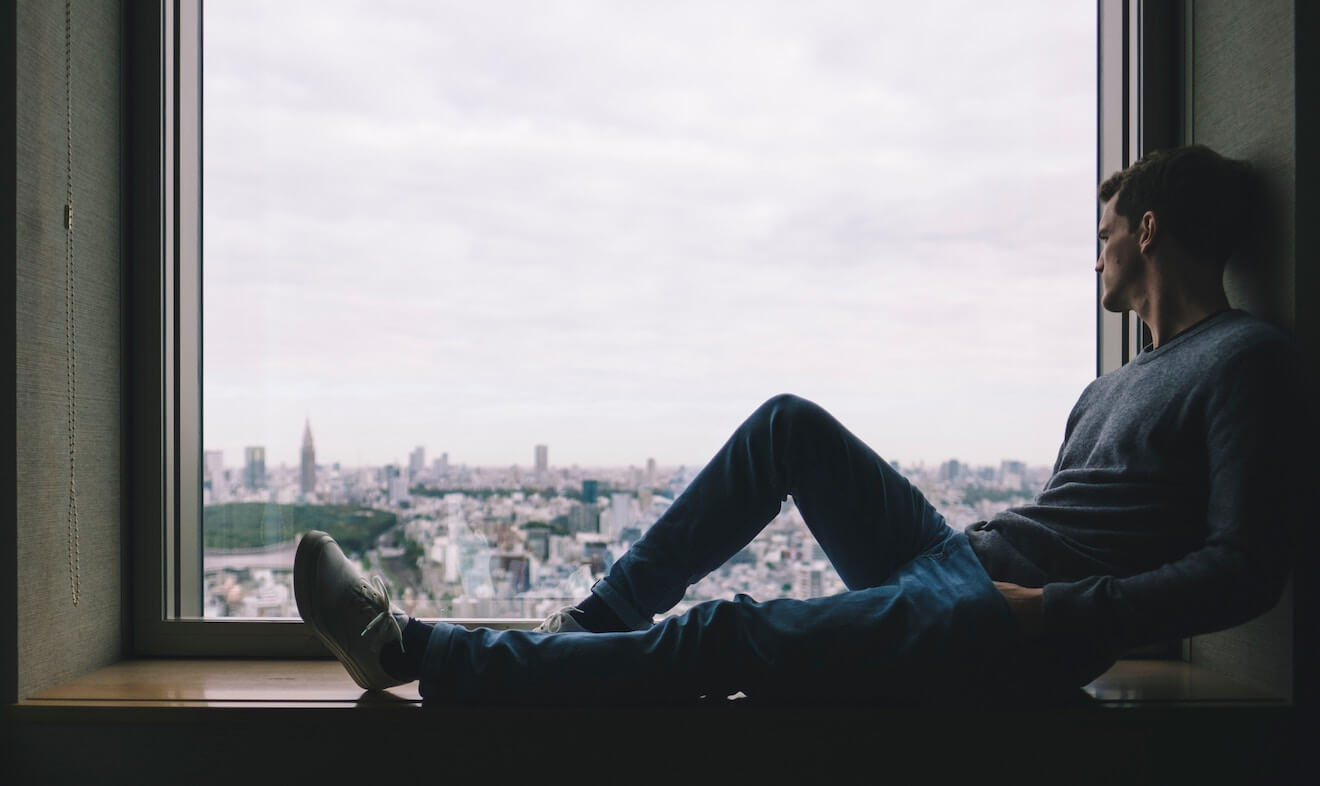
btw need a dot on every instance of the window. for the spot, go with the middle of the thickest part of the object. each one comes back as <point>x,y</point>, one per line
<point>669,215</point>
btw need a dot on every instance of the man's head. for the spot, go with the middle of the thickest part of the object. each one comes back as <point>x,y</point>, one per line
<point>1195,196</point>
<point>1188,205</point>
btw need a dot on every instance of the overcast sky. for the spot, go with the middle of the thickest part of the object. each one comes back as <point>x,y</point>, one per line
<point>615,227</point>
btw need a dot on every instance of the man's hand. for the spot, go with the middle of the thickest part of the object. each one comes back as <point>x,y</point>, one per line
<point>1026,604</point>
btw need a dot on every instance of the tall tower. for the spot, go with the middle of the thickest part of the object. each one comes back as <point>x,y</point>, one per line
<point>542,461</point>
<point>307,478</point>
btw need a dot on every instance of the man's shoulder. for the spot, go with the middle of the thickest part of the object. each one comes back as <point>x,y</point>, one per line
<point>1232,350</point>
<point>1246,337</point>
<point>1227,351</point>
<point>1248,327</point>
<point>1250,362</point>
<point>1234,339</point>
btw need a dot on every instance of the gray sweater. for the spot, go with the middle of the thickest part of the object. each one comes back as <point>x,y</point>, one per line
<point>1173,498</point>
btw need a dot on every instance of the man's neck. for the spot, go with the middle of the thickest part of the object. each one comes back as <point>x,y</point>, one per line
<point>1170,308</point>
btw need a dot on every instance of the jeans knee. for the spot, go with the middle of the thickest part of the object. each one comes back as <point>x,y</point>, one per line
<point>787,409</point>
<point>729,621</point>
<point>788,405</point>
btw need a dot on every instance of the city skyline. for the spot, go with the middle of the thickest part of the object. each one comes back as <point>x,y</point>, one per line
<point>539,462</point>
<point>504,543</point>
<point>511,541</point>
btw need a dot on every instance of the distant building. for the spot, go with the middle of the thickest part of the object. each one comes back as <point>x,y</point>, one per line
<point>1015,467</point>
<point>596,552</point>
<point>514,569</point>
<point>590,488</point>
<point>542,461</point>
<point>538,542</point>
<point>620,512</point>
<point>586,518</point>
<point>951,471</point>
<point>254,467</point>
<point>650,472</point>
<point>809,580</point>
<point>398,490</point>
<point>213,477</point>
<point>416,462</point>
<point>1013,474</point>
<point>307,471</point>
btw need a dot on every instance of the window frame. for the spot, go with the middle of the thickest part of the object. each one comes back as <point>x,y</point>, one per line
<point>162,45</point>
<point>1141,105</point>
<point>162,303</point>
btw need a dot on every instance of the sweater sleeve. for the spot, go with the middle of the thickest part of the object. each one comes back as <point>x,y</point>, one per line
<point>1253,426</point>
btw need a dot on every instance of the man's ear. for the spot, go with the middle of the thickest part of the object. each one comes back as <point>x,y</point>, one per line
<point>1147,231</point>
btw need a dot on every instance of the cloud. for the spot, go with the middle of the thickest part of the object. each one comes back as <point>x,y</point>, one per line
<point>463,225</point>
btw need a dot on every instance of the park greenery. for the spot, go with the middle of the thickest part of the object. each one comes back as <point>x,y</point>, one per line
<point>485,493</point>
<point>972,495</point>
<point>251,525</point>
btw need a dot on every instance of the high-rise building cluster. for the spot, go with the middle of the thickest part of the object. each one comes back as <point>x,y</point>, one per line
<point>491,542</point>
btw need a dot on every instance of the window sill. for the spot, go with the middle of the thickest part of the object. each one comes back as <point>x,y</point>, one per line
<point>188,682</point>
<point>323,683</point>
<point>225,721</point>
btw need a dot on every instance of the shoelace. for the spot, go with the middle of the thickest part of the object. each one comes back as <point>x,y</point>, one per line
<point>555,622</point>
<point>380,601</point>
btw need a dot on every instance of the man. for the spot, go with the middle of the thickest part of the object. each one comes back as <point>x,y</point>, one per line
<point>1168,514</point>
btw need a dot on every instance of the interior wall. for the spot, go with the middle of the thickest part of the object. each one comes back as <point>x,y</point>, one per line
<point>1306,625</point>
<point>69,578</point>
<point>8,485</point>
<point>1241,101</point>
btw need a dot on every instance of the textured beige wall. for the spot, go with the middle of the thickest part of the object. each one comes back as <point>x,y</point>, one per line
<point>56,638</point>
<point>1243,99</point>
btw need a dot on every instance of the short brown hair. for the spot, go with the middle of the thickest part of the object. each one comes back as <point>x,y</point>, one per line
<point>1203,199</point>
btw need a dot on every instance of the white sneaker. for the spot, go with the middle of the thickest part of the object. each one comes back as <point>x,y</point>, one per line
<point>561,621</point>
<point>352,616</point>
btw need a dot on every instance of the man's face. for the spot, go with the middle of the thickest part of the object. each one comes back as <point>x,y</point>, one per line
<point>1120,263</point>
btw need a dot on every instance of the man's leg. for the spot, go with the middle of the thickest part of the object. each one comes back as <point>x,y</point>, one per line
<point>866,516</point>
<point>937,631</point>
<point>934,630</point>
<point>921,620</point>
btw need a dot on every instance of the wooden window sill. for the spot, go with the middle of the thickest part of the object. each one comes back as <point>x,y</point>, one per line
<point>323,683</point>
<point>304,721</point>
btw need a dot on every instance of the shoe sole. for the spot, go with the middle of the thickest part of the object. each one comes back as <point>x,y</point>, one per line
<point>306,565</point>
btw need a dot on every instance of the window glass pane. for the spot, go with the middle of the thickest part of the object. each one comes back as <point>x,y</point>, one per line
<point>486,283</point>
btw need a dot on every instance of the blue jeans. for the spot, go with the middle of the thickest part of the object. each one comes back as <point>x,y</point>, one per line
<point>920,620</point>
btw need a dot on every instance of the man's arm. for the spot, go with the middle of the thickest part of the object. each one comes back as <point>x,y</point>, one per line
<point>1256,425</point>
<point>1026,603</point>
